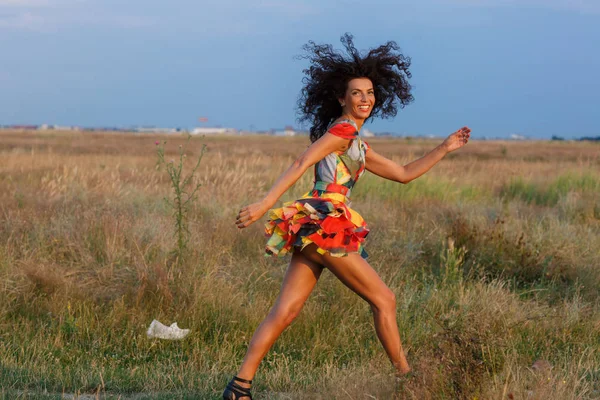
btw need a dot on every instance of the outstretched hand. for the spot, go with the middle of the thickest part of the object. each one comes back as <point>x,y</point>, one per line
<point>250,214</point>
<point>458,139</point>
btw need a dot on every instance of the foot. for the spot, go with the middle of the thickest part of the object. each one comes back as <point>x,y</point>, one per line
<point>238,388</point>
<point>401,380</point>
<point>402,368</point>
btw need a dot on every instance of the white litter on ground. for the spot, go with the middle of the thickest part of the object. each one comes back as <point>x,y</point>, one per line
<point>160,331</point>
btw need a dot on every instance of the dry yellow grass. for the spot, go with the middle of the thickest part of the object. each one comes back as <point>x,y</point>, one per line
<point>86,264</point>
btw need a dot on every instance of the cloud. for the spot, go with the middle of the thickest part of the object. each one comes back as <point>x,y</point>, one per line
<point>23,21</point>
<point>46,16</point>
<point>5,77</point>
<point>24,3</point>
<point>38,4</point>
<point>128,21</point>
<point>584,6</point>
<point>298,9</point>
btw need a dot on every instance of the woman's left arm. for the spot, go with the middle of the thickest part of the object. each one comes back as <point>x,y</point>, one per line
<point>386,168</point>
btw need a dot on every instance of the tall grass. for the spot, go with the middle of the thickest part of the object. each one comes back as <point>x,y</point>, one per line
<point>487,281</point>
<point>551,193</point>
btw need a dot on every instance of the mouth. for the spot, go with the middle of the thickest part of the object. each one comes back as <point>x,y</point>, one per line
<point>364,108</point>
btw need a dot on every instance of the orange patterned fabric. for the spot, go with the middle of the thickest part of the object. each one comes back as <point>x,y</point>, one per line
<point>323,216</point>
<point>344,130</point>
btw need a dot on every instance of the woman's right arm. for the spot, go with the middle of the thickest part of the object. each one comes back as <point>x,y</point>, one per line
<point>325,145</point>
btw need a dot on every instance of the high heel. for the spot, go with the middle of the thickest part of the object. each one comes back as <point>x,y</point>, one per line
<point>233,391</point>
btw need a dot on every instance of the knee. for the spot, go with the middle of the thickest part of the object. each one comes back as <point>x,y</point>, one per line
<point>285,315</point>
<point>385,302</point>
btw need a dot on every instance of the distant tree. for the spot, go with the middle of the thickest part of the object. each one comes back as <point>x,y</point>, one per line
<point>591,138</point>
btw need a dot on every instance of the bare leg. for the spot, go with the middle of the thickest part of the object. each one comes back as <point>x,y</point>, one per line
<point>356,273</point>
<point>300,279</point>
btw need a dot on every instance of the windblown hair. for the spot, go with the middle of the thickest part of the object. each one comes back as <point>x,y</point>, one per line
<point>330,71</point>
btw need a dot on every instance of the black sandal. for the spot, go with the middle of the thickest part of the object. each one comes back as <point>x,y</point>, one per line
<point>233,391</point>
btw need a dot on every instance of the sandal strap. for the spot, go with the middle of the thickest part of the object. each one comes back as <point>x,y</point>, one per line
<point>238,390</point>
<point>236,378</point>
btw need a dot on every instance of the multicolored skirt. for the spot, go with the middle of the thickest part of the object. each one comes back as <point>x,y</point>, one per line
<point>317,217</point>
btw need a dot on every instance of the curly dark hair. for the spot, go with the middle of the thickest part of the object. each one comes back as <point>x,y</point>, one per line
<point>330,71</point>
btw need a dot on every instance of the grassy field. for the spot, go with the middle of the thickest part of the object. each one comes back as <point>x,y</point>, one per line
<point>493,255</point>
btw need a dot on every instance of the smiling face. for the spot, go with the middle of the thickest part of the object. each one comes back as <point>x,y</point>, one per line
<point>359,99</point>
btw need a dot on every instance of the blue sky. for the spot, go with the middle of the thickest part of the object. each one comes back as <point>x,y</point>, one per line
<point>499,66</point>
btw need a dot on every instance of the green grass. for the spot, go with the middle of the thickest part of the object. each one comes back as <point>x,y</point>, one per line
<point>373,188</point>
<point>551,193</point>
<point>491,274</point>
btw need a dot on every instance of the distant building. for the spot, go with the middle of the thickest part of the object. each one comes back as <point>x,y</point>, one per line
<point>367,133</point>
<point>46,127</point>
<point>214,131</point>
<point>516,136</point>
<point>153,129</point>
<point>23,127</point>
<point>253,132</point>
<point>65,128</point>
<point>287,131</point>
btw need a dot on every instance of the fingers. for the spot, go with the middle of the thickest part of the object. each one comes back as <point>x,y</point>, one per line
<point>464,134</point>
<point>240,220</point>
<point>243,218</point>
<point>459,138</point>
<point>244,224</point>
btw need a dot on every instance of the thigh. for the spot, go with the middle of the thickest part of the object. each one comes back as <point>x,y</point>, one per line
<point>354,272</point>
<point>300,278</point>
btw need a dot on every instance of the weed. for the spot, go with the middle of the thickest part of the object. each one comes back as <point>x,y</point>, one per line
<point>184,192</point>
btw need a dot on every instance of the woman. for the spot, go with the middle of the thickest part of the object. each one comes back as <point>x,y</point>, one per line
<point>320,229</point>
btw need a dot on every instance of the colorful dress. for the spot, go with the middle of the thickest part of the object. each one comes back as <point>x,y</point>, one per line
<point>323,216</point>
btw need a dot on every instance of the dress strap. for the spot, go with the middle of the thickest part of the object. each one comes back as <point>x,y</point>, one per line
<point>350,121</point>
<point>344,130</point>
<point>344,121</point>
